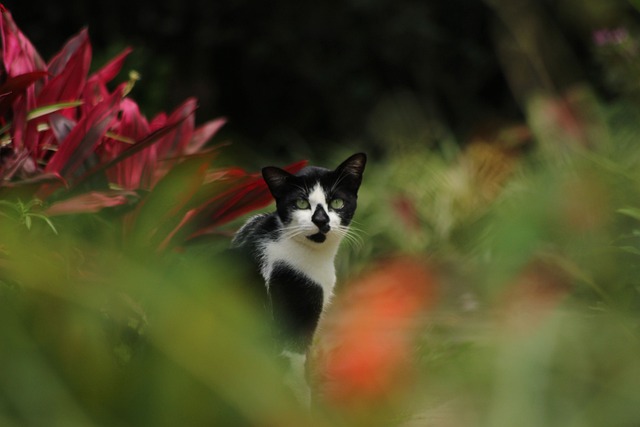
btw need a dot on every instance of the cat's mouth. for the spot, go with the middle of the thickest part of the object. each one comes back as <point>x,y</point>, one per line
<point>319,237</point>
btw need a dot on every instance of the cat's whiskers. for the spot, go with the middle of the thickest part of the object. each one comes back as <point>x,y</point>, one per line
<point>291,231</point>
<point>350,236</point>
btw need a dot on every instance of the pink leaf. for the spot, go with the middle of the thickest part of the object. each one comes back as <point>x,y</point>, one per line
<point>18,54</point>
<point>61,59</point>
<point>96,88</point>
<point>203,134</point>
<point>132,125</point>
<point>159,121</point>
<point>109,71</point>
<point>13,163</point>
<point>176,141</point>
<point>14,86</point>
<point>27,188</point>
<point>249,193</point>
<point>88,203</point>
<point>160,128</point>
<point>81,141</point>
<point>19,57</point>
<point>19,124</point>
<point>69,83</point>
<point>43,178</point>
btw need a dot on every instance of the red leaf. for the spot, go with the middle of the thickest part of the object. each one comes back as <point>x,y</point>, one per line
<point>18,54</point>
<point>38,179</point>
<point>19,125</point>
<point>88,203</point>
<point>19,57</point>
<point>27,187</point>
<point>203,134</point>
<point>109,71</point>
<point>133,125</point>
<point>21,82</point>
<point>221,207</point>
<point>96,88</point>
<point>157,134</point>
<point>82,139</point>
<point>247,199</point>
<point>175,143</point>
<point>256,196</point>
<point>13,163</point>
<point>15,86</point>
<point>159,121</point>
<point>217,174</point>
<point>61,59</point>
<point>73,63</point>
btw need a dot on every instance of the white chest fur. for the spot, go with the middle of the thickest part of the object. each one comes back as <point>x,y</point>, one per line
<point>315,261</point>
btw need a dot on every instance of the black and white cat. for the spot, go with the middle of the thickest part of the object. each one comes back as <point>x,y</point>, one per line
<point>295,247</point>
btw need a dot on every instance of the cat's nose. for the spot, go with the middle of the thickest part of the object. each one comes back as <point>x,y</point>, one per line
<point>321,219</point>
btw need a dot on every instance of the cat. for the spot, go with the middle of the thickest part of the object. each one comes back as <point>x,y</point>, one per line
<point>294,248</point>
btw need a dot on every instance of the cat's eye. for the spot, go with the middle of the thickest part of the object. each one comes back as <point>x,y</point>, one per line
<point>302,204</point>
<point>337,203</point>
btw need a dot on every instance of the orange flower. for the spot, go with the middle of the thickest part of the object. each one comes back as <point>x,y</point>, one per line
<point>365,347</point>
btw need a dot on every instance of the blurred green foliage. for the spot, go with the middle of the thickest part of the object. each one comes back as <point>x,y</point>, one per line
<point>91,336</point>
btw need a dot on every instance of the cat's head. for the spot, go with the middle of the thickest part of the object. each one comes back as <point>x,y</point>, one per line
<point>317,204</point>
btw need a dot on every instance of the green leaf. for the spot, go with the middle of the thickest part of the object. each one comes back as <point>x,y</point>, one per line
<point>167,204</point>
<point>48,109</point>
<point>630,249</point>
<point>13,206</point>
<point>632,212</point>
<point>635,3</point>
<point>120,138</point>
<point>47,221</point>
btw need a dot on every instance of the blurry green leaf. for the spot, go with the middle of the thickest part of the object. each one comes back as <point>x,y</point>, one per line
<point>631,212</point>
<point>630,249</point>
<point>165,206</point>
<point>46,220</point>
<point>48,109</point>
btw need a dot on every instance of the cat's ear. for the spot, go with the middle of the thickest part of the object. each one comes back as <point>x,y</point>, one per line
<point>351,170</point>
<point>276,179</point>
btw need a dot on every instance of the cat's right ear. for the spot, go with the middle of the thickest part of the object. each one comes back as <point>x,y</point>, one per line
<point>276,179</point>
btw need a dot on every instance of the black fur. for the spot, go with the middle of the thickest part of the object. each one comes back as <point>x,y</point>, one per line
<point>297,305</point>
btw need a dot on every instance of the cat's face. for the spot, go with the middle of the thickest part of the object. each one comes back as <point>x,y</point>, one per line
<point>317,204</point>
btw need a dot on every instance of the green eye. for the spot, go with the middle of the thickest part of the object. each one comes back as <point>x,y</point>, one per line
<point>337,203</point>
<point>302,204</point>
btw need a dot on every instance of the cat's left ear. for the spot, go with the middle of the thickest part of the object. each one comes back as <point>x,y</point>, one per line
<point>352,169</point>
<point>276,179</point>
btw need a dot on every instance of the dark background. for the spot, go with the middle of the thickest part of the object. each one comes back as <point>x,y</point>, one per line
<point>300,78</point>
